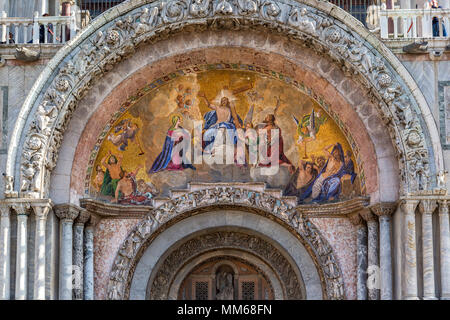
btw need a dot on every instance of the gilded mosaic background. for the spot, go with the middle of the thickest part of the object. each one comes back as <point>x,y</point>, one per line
<point>135,161</point>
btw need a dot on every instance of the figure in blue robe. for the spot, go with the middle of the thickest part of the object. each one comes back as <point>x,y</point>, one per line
<point>212,125</point>
<point>167,160</point>
<point>325,188</point>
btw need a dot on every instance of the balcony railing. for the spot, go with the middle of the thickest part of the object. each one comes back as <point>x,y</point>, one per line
<point>49,29</point>
<point>400,24</point>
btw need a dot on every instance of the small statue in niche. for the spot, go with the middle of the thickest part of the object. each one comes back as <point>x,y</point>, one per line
<point>224,285</point>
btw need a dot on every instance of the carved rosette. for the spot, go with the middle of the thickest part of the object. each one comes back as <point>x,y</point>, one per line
<point>113,42</point>
<point>137,241</point>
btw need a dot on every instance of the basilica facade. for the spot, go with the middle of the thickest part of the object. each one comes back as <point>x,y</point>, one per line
<point>225,150</point>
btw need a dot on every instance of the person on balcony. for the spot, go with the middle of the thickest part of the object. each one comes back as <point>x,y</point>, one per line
<point>435,21</point>
<point>50,31</point>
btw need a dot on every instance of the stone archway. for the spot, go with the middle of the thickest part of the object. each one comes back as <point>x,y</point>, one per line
<point>115,35</point>
<point>163,278</point>
<point>195,203</point>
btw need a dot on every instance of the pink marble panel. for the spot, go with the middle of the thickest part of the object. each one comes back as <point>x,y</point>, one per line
<point>108,236</point>
<point>341,235</point>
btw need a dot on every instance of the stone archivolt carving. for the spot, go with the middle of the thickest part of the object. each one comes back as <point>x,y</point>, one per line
<point>115,41</point>
<point>159,289</point>
<point>138,239</point>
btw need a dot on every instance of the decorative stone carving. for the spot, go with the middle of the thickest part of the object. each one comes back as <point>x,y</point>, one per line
<point>384,208</point>
<point>143,22</point>
<point>9,186</point>
<point>66,212</point>
<point>136,242</point>
<point>299,18</point>
<point>221,240</point>
<point>441,178</point>
<point>199,8</point>
<point>82,217</point>
<point>247,7</point>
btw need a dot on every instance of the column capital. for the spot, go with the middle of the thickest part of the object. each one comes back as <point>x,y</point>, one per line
<point>409,205</point>
<point>41,210</point>
<point>93,220</point>
<point>367,215</point>
<point>5,210</point>
<point>384,208</point>
<point>355,218</point>
<point>443,206</point>
<point>21,208</point>
<point>427,206</point>
<point>66,212</point>
<point>83,217</point>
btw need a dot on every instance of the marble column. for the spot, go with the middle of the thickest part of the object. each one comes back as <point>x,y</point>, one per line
<point>41,211</point>
<point>384,212</point>
<point>409,275</point>
<point>66,215</point>
<point>426,208</point>
<point>88,285</point>
<point>373,268</point>
<point>78,235</point>
<point>5,252</point>
<point>361,256</point>
<point>444,238</point>
<point>22,250</point>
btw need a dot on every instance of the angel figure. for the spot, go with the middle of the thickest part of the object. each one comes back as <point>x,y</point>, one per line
<point>308,127</point>
<point>125,131</point>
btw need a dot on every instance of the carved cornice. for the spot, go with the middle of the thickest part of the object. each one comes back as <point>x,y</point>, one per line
<point>133,23</point>
<point>111,210</point>
<point>384,208</point>
<point>66,212</point>
<point>237,198</point>
<point>326,210</point>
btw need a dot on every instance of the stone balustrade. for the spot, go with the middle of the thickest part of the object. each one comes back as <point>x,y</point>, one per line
<point>24,30</point>
<point>398,24</point>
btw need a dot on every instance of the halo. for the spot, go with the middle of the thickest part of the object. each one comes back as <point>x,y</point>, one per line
<point>224,93</point>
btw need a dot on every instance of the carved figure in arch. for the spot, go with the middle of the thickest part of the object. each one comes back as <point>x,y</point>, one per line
<point>248,6</point>
<point>46,115</point>
<point>299,18</point>
<point>224,286</point>
<point>199,8</point>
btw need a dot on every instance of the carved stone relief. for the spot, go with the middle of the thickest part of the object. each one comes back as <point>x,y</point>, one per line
<point>159,289</point>
<point>138,240</point>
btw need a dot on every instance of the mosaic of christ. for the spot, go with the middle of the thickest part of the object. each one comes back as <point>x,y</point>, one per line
<point>138,159</point>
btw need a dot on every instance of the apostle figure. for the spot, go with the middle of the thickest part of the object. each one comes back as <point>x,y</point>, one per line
<point>168,159</point>
<point>302,178</point>
<point>327,185</point>
<point>113,174</point>
<point>269,124</point>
